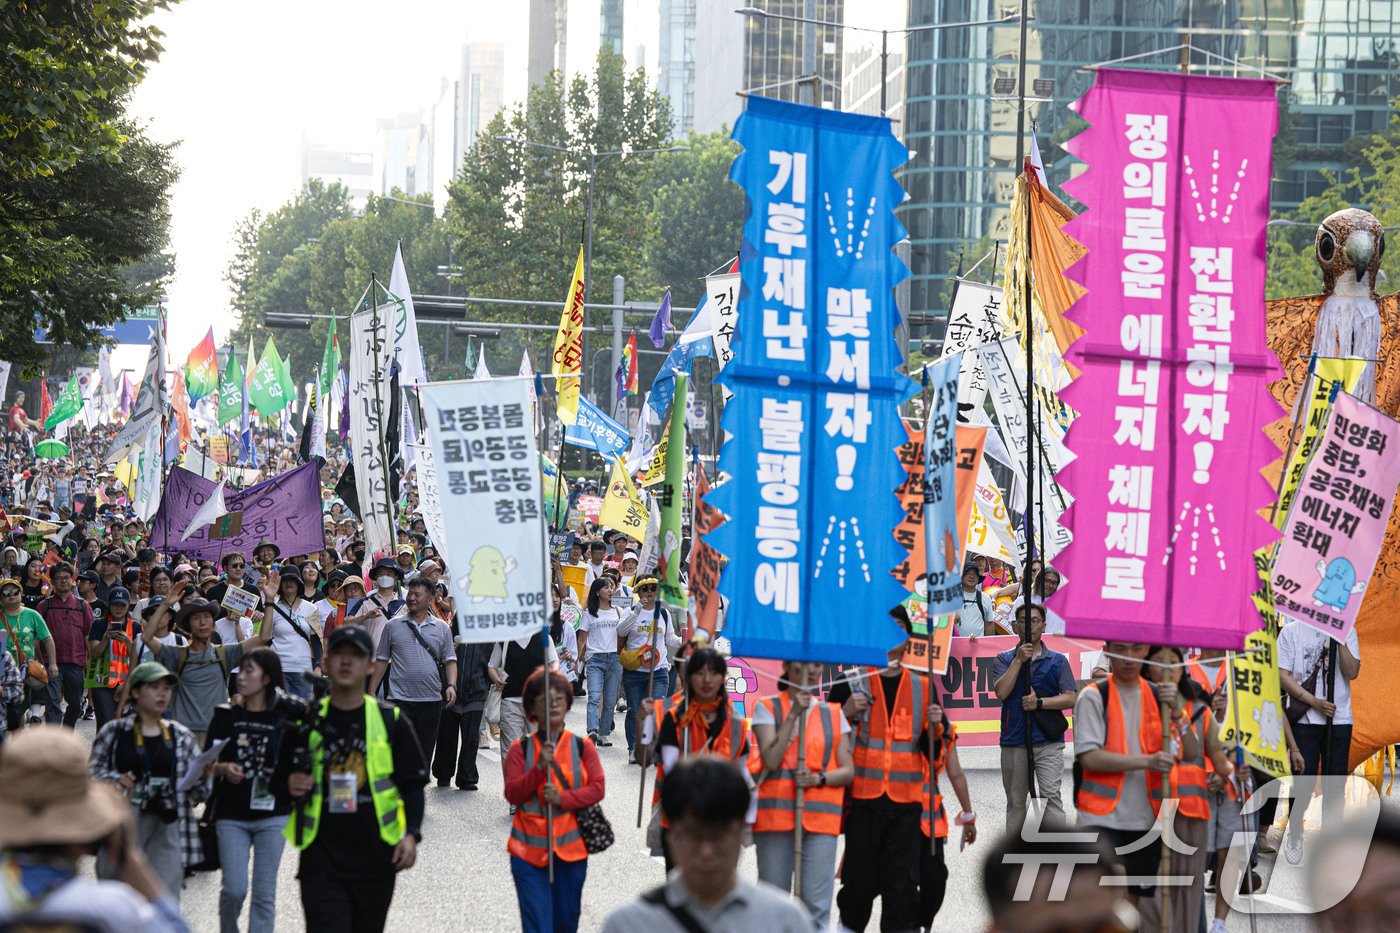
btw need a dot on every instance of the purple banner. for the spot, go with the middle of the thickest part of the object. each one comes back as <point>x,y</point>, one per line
<point>285,510</point>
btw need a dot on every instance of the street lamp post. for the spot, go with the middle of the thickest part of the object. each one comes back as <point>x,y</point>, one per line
<point>594,156</point>
<point>809,36</point>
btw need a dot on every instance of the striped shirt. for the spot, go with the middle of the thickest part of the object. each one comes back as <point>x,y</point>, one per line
<point>413,672</point>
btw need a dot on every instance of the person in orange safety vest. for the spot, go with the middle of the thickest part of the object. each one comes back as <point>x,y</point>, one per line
<point>1121,769</point>
<point>824,771</point>
<point>895,828</point>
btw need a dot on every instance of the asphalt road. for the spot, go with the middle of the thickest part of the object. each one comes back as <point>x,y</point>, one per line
<point>462,880</point>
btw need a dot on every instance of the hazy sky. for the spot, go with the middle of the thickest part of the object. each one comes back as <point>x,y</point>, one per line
<point>241,83</point>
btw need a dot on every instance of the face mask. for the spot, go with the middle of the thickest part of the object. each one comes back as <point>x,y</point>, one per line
<point>384,582</point>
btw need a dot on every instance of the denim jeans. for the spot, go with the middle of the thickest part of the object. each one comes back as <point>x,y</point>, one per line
<point>634,688</point>
<point>67,688</point>
<point>604,673</point>
<point>237,838</point>
<point>297,684</point>
<point>545,907</point>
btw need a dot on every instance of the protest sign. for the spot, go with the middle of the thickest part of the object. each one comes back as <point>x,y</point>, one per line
<point>370,349</point>
<point>1330,377</point>
<point>972,321</point>
<point>218,449</point>
<point>1254,687</point>
<point>1333,533</point>
<point>1173,396</point>
<point>623,509</point>
<point>705,564</point>
<point>429,505</point>
<point>560,543</point>
<point>239,602</point>
<point>594,430</point>
<point>488,468</point>
<point>285,510</point>
<point>814,421</point>
<point>574,578</point>
<point>910,531</point>
<point>966,688</point>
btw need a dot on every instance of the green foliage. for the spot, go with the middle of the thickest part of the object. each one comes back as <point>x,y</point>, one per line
<point>513,227</point>
<point>83,193</point>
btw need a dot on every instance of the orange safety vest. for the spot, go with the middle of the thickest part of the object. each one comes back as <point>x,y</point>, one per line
<point>1189,780</point>
<point>119,658</point>
<point>777,795</point>
<point>886,749</point>
<point>1099,790</point>
<point>529,830</point>
<point>1199,675</point>
<point>728,744</point>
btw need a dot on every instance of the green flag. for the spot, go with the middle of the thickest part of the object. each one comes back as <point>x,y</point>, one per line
<point>671,493</point>
<point>289,388</point>
<point>330,361</point>
<point>265,392</point>
<point>69,403</point>
<point>231,389</point>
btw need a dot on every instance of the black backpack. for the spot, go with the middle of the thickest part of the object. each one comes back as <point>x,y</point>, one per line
<point>1077,770</point>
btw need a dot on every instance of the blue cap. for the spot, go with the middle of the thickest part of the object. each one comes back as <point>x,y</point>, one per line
<point>118,594</point>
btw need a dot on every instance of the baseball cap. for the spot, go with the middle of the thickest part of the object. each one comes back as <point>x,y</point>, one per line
<point>149,672</point>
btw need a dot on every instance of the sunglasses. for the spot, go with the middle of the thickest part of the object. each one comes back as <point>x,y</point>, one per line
<point>6,594</point>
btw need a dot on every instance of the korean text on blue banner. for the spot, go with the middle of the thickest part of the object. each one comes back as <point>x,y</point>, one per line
<point>594,430</point>
<point>814,421</point>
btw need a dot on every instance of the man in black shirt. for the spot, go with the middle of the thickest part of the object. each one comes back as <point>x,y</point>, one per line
<point>234,566</point>
<point>360,807</point>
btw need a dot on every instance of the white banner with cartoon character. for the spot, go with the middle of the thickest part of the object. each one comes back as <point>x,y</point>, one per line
<point>488,487</point>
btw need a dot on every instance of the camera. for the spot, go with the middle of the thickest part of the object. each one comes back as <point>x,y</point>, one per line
<point>303,717</point>
<point>157,797</point>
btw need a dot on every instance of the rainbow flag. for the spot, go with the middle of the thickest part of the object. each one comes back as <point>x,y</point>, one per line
<point>626,375</point>
<point>202,369</point>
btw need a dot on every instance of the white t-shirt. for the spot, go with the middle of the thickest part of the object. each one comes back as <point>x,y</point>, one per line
<point>601,630</point>
<point>975,616</point>
<point>1299,648</point>
<point>292,649</point>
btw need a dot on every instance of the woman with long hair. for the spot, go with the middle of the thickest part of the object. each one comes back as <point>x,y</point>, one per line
<point>248,816</point>
<point>700,722</point>
<point>161,580</point>
<point>549,768</point>
<point>597,646</point>
<point>34,584</point>
<point>1200,756</point>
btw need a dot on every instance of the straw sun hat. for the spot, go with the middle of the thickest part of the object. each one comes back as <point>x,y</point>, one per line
<point>46,796</point>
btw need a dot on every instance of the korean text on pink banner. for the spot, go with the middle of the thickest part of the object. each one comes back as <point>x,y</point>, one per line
<point>1334,530</point>
<point>1173,396</point>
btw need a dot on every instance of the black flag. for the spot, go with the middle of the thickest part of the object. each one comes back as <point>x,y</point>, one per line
<point>392,429</point>
<point>345,489</point>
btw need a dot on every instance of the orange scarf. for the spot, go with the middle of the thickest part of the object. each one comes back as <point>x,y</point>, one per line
<point>695,712</point>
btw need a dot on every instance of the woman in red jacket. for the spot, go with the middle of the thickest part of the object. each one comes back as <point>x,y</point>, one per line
<point>550,767</point>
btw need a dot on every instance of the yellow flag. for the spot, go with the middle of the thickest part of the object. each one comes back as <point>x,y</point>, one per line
<point>656,473</point>
<point>623,509</point>
<point>1329,371</point>
<point>568,347</point>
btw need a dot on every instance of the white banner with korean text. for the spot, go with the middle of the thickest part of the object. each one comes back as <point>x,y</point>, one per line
<point>370,352</point>
<point>487,476</point>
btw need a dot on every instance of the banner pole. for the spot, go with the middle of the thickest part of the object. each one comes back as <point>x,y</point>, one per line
<point>1240,785</point>
<point>638,715</point>
<point>1164,710</point>
<point>801,795</point>
<point>1032,439</point>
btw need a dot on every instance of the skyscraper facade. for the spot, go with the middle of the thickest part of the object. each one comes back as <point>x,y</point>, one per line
<point>548,38</point>
<point>675,77</point>
<point>1340,56</point>
<point>480,91</point>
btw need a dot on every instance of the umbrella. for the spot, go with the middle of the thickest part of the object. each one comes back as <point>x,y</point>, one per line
<point>51,449</point>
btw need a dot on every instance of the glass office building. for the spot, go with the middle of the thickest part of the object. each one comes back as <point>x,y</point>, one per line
<point>1339,55</point>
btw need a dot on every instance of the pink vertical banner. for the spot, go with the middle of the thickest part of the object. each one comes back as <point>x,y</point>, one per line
<point>1173,398</point>
<point>1334,530</point>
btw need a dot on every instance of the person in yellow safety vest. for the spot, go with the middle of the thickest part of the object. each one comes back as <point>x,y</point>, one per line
<point>825,770</point>
<point>1190,780</point>
<point>550,775</point>
<point>1121,769</point>
<point>358,782</point>
<point>896,826</point>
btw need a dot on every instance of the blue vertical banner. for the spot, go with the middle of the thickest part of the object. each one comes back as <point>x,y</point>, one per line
<point>814,421</point>
<point>594,430</point>
<point>942,556</point>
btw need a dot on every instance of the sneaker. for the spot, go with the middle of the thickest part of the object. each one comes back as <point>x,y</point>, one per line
<point>593,736</point>
<point>602,741</point>
<point>1293,849</point>
<point>466,787</point>
<point>1217,926</point>
<point>1266,847</point>
<point>1210,882</point>
<point>621,705</point>
<point>1253,884</point>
